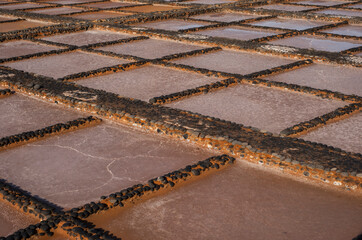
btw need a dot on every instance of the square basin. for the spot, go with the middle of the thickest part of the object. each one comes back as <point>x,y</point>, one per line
<point>57,11</point>
<point>20,25</point>
<point>172,25</point>
<point>21,6</point>
<point>22,114</point>
<point>336,78</point>
<point>150,8</point>
<point>151,48</point>
<point>267,109</point>
<point>13,219</point>
<point>234,62</point>
<point>318,43</point>
<point>88,37</point>
<point>147,82</point>
<point>21,48</point>
<point>60,65</point>
<point>225,16</point>
<point>321,2</point>
<point>79,167</point>
<point>345,134</point>
<point>98,15</point>
<point>342,13</point>
<point>285,7</point>
<point>349,30</point>
<point>294,24</point>
<point>236,203</point>
<point>238,33</point>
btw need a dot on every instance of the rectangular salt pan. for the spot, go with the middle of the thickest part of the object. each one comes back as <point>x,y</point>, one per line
<point>225,17</point>
<point>289,23</point>
<point>284,7</point>
<point>151,48</point>
<point>233,62</point>
<point>56,11</point>
<point>348,13</point>
<point>267,109</point>
<point>21,48</point>
<point>20,25</point>
<point>238,203</point>
<point>58,66</point>
<point>316,43</point>
<point>343,79</point>
<point>79,167</point>
<point>345,134</point>
<point>147,82</point>
<point>322,2</point>
<point>172,25</point>
<point>22,114</point>
<point>350,30</point>
<point>98,15</point>
<point>88,37</point>
<point>237,33</point>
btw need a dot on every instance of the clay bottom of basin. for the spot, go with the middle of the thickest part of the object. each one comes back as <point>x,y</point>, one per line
<point>234,62</point>
<point>150,8</point>
<point>239,202</point>
<point>172,25</point>
<point>88,37</point>
<point>20,25</point>
<point>345,134</point>
<point>321,2</point>
<point>57,11</point>
<point>12,219</point>
<point>281,7</point>
<point>98,15</point>
<point>21,6</point>
<point>147,82</point>
<point>332,77</point>
<point>321,44</point>
<point>106,5</point>
<point>151,48</point>
<point>19,48</point>
<point>78,167</point>
<point>237,33</point>
<point>289,23</point>
<point>21,114</point>
<point>350,30</point>
<point>225,17</point>
<point>349,13</point>
<point>65,64</point>
<point>268,109</point>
